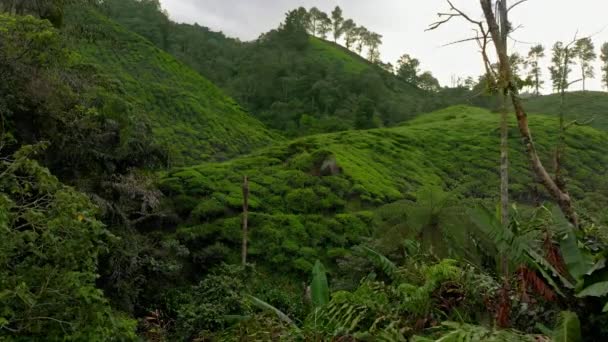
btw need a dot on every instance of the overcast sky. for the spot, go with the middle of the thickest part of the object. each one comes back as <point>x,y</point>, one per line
<point>403,24</point>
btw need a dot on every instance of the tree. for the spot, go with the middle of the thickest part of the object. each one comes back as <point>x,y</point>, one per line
<point>584,51</point>
<point>426,81</point>
<point>324,25</point>
<point>295,26</point>
<point>338,21</point>
<point>362,36</point>
<point>604,59</point>
<point>349,28</point>
<point>374,40</point>
<point>499,34</point>
<point>560,70</point>
<point>314,15</point>
<point>408,69</point>
<point>533,63</point>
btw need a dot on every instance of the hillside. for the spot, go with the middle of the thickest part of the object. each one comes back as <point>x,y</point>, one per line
<point>581,106</point>
<point>193,119</point>
<point>164,182</point>
<point>316,196</point>
<point>295,83</point>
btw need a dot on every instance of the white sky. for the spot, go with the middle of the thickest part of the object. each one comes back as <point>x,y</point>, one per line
<point>403,24</point>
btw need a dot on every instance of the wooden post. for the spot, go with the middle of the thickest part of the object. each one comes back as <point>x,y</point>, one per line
<point>245,218</point>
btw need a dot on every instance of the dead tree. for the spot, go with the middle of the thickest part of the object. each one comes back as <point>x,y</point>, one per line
<point>245,219</point>
<point>497,26</point>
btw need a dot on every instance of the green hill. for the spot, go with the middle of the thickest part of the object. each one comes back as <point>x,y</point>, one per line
<point>316,196</point>
<point>295,83</point>
<point>190,116</point>
<point>581,106</point>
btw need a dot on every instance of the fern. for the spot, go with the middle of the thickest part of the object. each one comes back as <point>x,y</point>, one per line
<point>382,262</point>
<point>458,332</point>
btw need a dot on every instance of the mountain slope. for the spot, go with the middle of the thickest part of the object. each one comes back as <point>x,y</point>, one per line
<point>315,196</point>
<point>191,117</point>
<point>588,106</point>
<point>293,82</point>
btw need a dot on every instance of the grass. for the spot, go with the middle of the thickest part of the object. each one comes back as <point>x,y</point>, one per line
<point>190,116</point>
<point>298,208</point>
<point>582,106</point>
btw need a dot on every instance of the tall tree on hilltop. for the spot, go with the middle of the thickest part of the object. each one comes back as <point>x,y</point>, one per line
<point>374,40</point>
<point>338,21</point>
<point>349,28</point>
<point>408,69</point>
<point>362,37</point>
<point>295,26</point>
<point>604,59</point>
<point>314,15</point>
<point>560,69</point>
<point>533,62</point>
<point>584,51</point>
<point>324,25</point>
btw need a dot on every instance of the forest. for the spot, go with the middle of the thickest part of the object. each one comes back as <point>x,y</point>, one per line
<point>162,181</point>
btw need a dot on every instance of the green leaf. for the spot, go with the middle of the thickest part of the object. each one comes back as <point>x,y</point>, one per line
<point>577,262</point>
<point>568,328</point>
<point>596,290</point>
<point>605,308</point>
<point>265,306</point>
<point>319,287</point>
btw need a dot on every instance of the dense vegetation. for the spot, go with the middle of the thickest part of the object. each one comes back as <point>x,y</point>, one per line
<point>293,82</point>
<point>121,191</point>
<point>586,107</point>
<point>198,122</point>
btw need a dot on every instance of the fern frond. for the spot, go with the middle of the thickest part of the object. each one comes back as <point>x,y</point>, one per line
<point>382,262</point>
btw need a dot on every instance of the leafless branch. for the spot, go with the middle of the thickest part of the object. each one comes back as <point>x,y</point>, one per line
<point>516,4</point>
<point>457,13</point>
<point>461,41</point>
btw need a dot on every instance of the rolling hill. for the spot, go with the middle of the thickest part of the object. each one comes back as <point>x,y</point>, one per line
<point>314,197</point>
<point>189,116</point>
<point>589,106</point>
<point>295,83</point>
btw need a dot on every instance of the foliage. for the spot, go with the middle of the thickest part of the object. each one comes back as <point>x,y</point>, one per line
<point>458,332</point>
<point>189,116</point>
<point>319,288</point>
<point>535,54</point>
<point>584,51</point>
<point>585,107</point>
<point>293,82</point>
<point>604,60</point>
<point>568,328</point>
<point>49,250</point>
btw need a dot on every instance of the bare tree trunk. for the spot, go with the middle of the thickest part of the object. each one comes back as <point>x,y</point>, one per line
<point>245,219</point>
<point>504,167</point>
<point>561,197</point>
